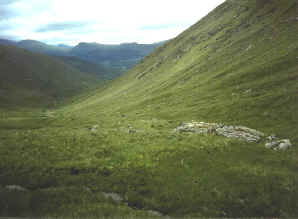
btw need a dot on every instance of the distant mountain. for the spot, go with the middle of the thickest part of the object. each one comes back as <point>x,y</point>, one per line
<point>7,42</point>
<point>31,79</point>
<point>123,56</point>
<point>114,58</point>
<point>64,46</point>
<point>36,46</point>
<point>89,67</point>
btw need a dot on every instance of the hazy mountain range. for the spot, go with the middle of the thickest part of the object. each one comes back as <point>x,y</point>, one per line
<point>121,57</point>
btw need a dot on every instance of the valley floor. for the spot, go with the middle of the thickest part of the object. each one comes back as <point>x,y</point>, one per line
<point>117,165</point>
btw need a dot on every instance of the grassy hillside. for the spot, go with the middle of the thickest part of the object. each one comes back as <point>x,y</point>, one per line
<point>36,46</point>
<point>237,66</point>
<point>37,80</point>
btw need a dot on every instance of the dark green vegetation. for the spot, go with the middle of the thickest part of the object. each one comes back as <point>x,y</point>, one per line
<point>30,79</point>
<point>238,66</point>
<point>89,67</point>
<point>36,46</point>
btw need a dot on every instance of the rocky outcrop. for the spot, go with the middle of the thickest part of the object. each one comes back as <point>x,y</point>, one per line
<point>237,132</point>
<point>240,132</point>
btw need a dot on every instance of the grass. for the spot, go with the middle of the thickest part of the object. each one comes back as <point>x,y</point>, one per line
<point>238,66</point>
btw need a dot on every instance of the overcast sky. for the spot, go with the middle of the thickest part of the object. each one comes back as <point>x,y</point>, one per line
<point>102,21</point>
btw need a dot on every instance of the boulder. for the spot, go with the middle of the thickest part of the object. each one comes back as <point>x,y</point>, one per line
<point>15,188</point>
<point>93,129</point>
<point>154,213</point>
<point>113,196</point>
<point>279,144</point>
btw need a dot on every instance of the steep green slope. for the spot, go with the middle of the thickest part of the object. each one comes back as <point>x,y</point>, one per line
<point>29,79</point>
<point>237,66</point>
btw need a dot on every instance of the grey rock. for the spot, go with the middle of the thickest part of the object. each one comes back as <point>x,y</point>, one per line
<point>132,131</point>
<point>276,144</point>
<point>93,129</point>
<point>238,132</point>
<point>271,137</point>
<point>155,213</point>
<point>15,188</point>
<point>249,130</point>
<point>249,47</point>
<point>271,145</point>
<point>285,144</point>
<point>241,132</point>
<point>113,196</point>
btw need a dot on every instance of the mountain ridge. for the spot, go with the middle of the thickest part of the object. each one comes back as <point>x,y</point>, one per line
<point>38,80</point>
<point>116,57</point>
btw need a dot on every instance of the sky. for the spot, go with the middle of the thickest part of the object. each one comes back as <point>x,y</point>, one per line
<point>103,21</point>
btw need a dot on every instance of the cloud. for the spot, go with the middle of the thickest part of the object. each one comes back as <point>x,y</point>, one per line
<point>7,2</point>
<point>6,12</point>
<point>158,27</point>
<point>63,26</point>
<point>106,21</point>
<point>8,37</point>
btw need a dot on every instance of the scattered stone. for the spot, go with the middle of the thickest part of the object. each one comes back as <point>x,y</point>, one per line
<point>271,145</point>
<point>249,47</point>
<point>238,132</point>
<point>15,188</point>
<point>93,129</point>
<point>241,132</point>
<point>116,197</point>
<point>131,130</point>
<point>155,213</point>
<point>248,91</point>
<point>113,196</point>
<point>285,144</point>
<point>276,144</point>
<point>271,137</point>
<point>197,127</point>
